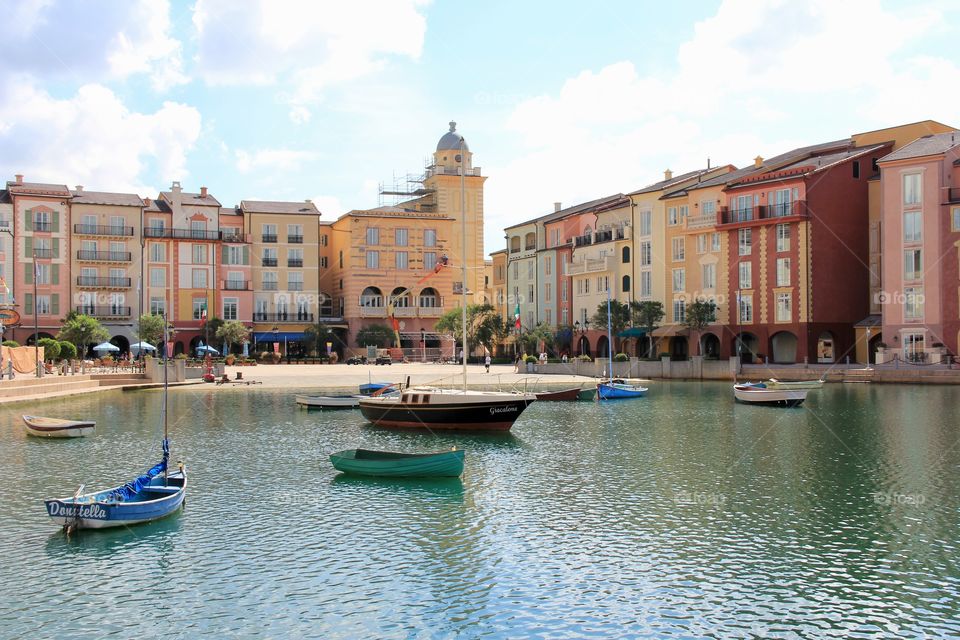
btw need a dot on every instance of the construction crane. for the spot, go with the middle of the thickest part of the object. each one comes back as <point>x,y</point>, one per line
<point>392,299</point>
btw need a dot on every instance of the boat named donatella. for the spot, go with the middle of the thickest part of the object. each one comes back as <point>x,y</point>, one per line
<point>450,409</point>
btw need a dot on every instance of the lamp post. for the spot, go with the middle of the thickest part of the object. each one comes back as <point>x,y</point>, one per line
<point>276,334</point>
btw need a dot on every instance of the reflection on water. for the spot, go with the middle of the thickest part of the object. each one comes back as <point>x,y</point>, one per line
<point>681,514</point>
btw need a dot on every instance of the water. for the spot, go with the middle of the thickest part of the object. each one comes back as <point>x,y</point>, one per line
<point>678,515</point>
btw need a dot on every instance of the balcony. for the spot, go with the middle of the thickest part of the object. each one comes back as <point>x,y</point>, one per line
<point>41,226</point>
<point>405,312</point>
<point>761,213</point>
<point>604,235</point>
<point>701,222</point>
<point>43,253</point>
<point>110,311</point>
<point>234,236</point>
<point>431,312</point>
<point>269,238</point>
<point>269,286</point>
<point>99,282</point>
<point>294,286</point>
<point>235,285</point>
<point>296,316</point>
<point>181,234</point>
<point>102,230</point>
<point>589,265</point>
<point>295,239</point>
<point>583,241</point>
<point>372,312</point>
<point>294,262</point>
<point>104,256</point>
<point>268,262</point>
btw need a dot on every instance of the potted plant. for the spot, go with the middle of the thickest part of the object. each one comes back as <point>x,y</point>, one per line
<point>230,359</point>
<point>621,357</point>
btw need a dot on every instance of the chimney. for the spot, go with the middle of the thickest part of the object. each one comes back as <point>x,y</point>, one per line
<point>203,192</point>
<point>308,201</point>
<point>147,201</point>
<point>668,175</point>
<point>78,188</point>
<point>18,178</point>
<point>758,161</point>
<point>175,186</point>
<point>557,206</point>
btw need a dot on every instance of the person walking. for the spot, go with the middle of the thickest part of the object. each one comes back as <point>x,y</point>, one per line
<point>486,362</point>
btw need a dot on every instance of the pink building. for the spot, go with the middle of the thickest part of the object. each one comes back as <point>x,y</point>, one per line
<point>920,229</point>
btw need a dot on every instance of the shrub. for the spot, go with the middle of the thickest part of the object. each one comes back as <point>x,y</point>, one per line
<point>530,359</point>
<point>11,343</point>
<point>68,351</point>
<point>621,357</point>
<point>584,358</point>
<point>180,356</point>
<point>51,348</point>
<point>230,359</point>
<point>334,358</point>
<point>265,355</point>
<point>275,357</point>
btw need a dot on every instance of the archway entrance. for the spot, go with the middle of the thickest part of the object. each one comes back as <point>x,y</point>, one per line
<point>678,348</point>
<point>583,346</point>
<point>746,346</point>
<point>121,343</point>
<point>711,346</point>
<point>872,348</point>
<point>784,347</point>
<point>825,348</point>
<point>603,347</point>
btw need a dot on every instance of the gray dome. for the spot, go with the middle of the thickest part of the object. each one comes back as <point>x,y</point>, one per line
<point>451,140</point>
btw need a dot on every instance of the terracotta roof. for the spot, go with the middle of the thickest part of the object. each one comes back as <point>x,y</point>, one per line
<point>5,197</point>
<point>38,188</point>
<point>276,206</point>
<point>107,197</point>
<point>600,203</point>
<point>157,206</point>
<point>666,184</point>
<point>929,145</point>
<point>193,198</point>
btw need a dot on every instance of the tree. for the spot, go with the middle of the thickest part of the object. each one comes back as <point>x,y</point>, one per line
<point>233,332</point>
<point>213,326</point>
<point>68,351</point>
<point>150,329</point>
<point>379,335</point>
<point>619,317</point>
<point>51,348</point>
<point>316,337</point>
<point>83,331</point>
<point>541,333</point>
<point>647,315</point>
<point>698,315</point>
<point>484,326</point>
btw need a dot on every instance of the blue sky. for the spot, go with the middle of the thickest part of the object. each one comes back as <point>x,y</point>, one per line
<point>287,99</point>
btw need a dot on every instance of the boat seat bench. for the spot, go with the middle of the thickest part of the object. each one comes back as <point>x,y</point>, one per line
<point>164,490</point>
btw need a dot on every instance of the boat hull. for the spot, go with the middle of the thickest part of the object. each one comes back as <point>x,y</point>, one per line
<point>92,511</point>
<point>809,385</point>
<point>328,402</point>
<point>55,428</point>
<point>619,392</point>
<point>587,394</point>
<point>559,396</point>
<point>496,415</point>
<point>749,394</point>
<point>446,464</point>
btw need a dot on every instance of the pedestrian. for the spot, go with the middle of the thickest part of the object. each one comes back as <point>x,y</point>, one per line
<point>516,364</point>
<point>486,362</point>
<point>461,356</point>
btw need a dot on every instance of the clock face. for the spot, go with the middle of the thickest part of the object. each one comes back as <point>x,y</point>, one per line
<point>457,158</point>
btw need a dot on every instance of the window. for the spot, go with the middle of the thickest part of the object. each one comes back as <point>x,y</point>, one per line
<point>554,237</point>
<point>742,208</point>
<point>158,277</point>
<point>400,237</point>
<point>625,284</point>
<point>401,260</point>
<point>913,264</point>
<point>158,305</point>
<point>956,219</point>
<point>234,255</point>
<point>43,305</point>
<point>260,308</point>
<point>548,265</point>
<point>780,202</point>
<point>118,251</point>
<point>563,290</point>
<point>715,242</point>
<point>646,254</point>
<point>269,258</point>
<point>373,236</point>
<point>684,210</point>
<point>530,297</point>
<point>323,240</point>
<point>709,276</point>
<point>199,253</point>
<point>530,265</point>
<point>323,262</point>
<point>564,317</point>
<point>856,169</point>
<point>702,243</point>
<point>746,275</point>
<point>269,232</point>
<point>678,249</point>
<point>430,262</point>
<point>746,309</point>
<point>586,285</point>
<point>708,208</point>
<point>294,257</point>
<point>645,223</point>
<point>429,237</point>
<point>88,246</point>
<point>43,273</point>
<point>912,227</point>
<point>198,278</point>
<point>672,218</point>
<point>744,239</point>
<point>516,272</point>
<point>158,252</point>
<point>341,259</point>
<point>679,310</point>
<point>156,225</point>
<point>679,280</point>
<point>230,308</point>
<point>235,281</point>
<point>913,303</point>
<point>646,283</point>
<point>269,280</point>
<point>911,189</point>
<point>199,308</point>
<point>198,228</point>
<point>913,344</point>
<point>783,237</point>
<point>547,292</point>
<point>783,272</point>
<point>625,255</point>
<point>295,233</point>
<point>783,307</point>
<point>373,259</point>
<point>295,281</point>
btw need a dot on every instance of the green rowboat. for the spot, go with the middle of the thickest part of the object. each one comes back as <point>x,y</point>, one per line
<point>587,394</point>
<point>446,464</point>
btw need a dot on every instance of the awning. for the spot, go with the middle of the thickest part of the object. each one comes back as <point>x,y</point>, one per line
<point>632,332</point>
<point>270,336</point>
<point>873,320</point>
<point>669,332</point>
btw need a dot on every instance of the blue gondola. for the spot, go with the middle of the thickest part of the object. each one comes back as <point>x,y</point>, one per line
<point>618,390</point>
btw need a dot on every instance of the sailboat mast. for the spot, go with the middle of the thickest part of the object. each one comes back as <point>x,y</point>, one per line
<point>609,338</point>
<point>163,407</point>
<point>463,259</point>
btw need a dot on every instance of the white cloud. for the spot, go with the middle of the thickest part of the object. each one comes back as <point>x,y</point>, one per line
<point>92,138</point>
<point>307,44</point>
<point>330,206</point>
<point>271,160</point>
<point>146,46</point>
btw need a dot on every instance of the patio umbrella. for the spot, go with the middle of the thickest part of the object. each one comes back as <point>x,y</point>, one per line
<point>106,346</point>
<point>142,346</point>
<point>205,349</point>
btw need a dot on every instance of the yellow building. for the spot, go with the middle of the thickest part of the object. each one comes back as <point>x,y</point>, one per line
<point>498,283</point>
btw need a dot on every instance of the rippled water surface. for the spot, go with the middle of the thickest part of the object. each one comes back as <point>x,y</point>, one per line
<point>678,515</point>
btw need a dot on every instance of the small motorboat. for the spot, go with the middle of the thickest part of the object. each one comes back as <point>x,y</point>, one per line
<point>564,395</point>
<point>58,428</point>
<point>329,402</point>
<point>430,408</point>
<point>370,388</point>
<point>445,464</point>
<point>757,393</point>
<point>773,383</point>
<point>619,389</point>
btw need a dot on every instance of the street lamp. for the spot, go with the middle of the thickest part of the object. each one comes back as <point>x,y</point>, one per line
<point>276,333</point>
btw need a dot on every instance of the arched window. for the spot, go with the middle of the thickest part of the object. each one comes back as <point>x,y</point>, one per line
<point>626,284</point>
<point>371,297</point>
<point>625,255</point>
<point>515,244</point>
<point>401,300</point>
<point>429,298</point>
<point>530,241</point>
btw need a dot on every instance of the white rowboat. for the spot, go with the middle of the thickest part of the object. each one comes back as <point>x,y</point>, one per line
<point>773,383</point>
<point>58,428</point>
<point>751,394</point>
<point>330,402</point>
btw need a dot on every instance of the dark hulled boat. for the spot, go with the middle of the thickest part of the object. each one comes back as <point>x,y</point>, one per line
<point>449,409</point>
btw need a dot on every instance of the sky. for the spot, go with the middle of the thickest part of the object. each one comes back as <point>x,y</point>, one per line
<point>558,101</point>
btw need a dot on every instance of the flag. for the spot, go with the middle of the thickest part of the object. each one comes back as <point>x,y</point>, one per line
<point>516,316</point>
